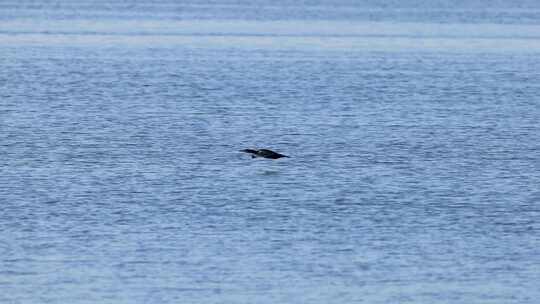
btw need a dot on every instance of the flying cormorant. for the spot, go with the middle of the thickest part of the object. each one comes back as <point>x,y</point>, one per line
<point>263,153</point>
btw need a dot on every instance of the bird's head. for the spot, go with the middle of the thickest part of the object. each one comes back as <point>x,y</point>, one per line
<point>249,151</point>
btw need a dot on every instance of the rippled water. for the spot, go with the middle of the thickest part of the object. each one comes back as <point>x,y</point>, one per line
<point>413,135</point>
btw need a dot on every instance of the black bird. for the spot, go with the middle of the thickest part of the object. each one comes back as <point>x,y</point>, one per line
<point>263,153</point>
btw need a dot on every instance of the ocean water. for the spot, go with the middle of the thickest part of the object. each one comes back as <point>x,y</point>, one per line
<point>413,130</point>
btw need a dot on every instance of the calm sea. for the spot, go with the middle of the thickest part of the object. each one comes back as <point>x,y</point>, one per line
<point>413,130</point>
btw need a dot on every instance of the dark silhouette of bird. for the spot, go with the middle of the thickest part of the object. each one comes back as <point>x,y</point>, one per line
<point>263,153</point>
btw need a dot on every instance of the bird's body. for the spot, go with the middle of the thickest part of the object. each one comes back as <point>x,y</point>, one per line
<point>264,153</point>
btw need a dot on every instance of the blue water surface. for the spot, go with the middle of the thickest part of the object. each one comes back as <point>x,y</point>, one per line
<point>412,129</point>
